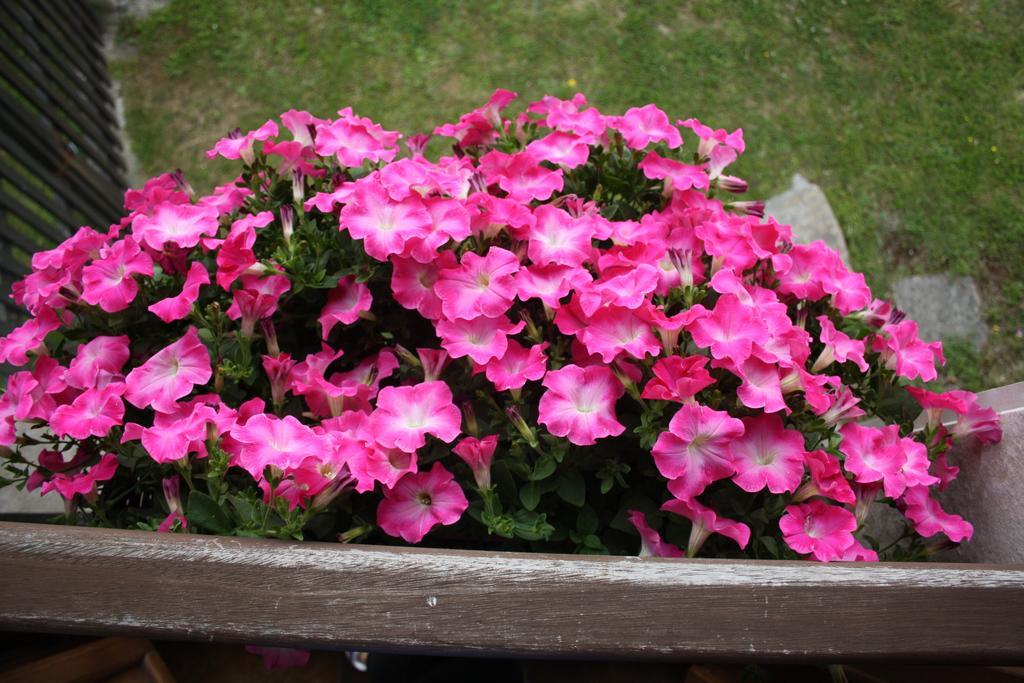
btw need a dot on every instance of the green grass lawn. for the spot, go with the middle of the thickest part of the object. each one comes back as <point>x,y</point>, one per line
<point>910,115</point>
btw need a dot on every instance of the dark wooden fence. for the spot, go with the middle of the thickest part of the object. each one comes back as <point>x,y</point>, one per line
<point>61,163</point>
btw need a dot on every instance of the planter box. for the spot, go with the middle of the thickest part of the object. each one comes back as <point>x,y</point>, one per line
<point>99,581</point>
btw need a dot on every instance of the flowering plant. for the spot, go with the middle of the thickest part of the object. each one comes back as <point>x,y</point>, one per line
<point>564,335</point>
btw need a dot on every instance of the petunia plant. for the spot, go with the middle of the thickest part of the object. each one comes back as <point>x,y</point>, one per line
<point>558,330</point>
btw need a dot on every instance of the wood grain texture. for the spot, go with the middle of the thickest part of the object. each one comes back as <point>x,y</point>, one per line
<point>80,580</point>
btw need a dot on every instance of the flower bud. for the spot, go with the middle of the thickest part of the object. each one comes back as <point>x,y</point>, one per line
<point>298,186</point>
<point>732,184</point>
<point>753,208</point>
<point>287,222</point>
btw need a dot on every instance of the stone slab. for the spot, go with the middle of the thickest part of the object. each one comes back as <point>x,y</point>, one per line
<point>805,207</point>
<point>944,307</point>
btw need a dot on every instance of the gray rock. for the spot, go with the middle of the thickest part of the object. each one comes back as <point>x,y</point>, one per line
<point>805,207</point>
<point>944,307</point>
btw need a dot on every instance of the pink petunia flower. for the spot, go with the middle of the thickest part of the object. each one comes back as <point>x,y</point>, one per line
<point>903,352</point>
<point>93,413</point>
<point>170,374</point>
<point>838,347</point>
<point>480,126</point>
<point>175,433</point>
<point>558,238</point>
<point>239,146</point>
<point>824,531</point>
<point>419,502</point>
<point>640,126</point>
<point>882,455</point>
<point>517,366</point>
<point>762,385</point>
<point>521,175</point>
<point>384,225</point>
<point>82,482</point>
<point>182,225</point>
<point>929,518</point>
<point>178,307</point>
<point>768,455</point>
<point>705,522</point>
<point>480,286</point>
<point>282,443</point>
<point>826,480</point>
<point>678,378</point>
<point>355,139</point>
<point>405,415</point>
<point>412,283</point>
<point>482,339</point>
<point>677,175</point>
<point>579,404</point>
<point>344,304</point>
<point>729,330</point>
<point>711,138</point>
<point>651,544</point>
<point>257,299</point>
<point>108,283</point>
<point>614,330</point>
<point>28,338</point>
<point>564,149</point>
<point>97,361</point>
<point>549,283</point>
<point>478,454</point>
<point>695,450</point>
<point>279,657</point>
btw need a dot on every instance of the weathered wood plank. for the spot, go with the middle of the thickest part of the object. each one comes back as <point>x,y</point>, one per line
<point>81,580</point>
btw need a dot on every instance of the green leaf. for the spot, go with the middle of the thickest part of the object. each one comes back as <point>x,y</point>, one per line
<point>543,468</point>
<point>529,495</point>
<point>204,513</point>
<point>572,489</point>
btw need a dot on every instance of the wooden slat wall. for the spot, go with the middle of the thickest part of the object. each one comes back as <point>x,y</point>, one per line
<point>61,163</point>
<point>112,582</point>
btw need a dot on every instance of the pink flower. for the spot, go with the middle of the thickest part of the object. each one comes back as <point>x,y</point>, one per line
<point>761,387</point>
<point>344,304</point>
<point>651,544</point>
<point>405,415</point>
<point>677,175</point>
<point>678,379</point>
<point>480,126</point>
<point>419,502</point>
<point>521,175</point>
<point>903,352</point>
<point>175,433</point>
<point>482,339</point>
<point>517,366</point>
<point>695,450</point>
<point>880,454</point>
<point>549,283</point>
<point>412,283</point>
<point>768,455</point>
<point>239,146</point>
<point>705,522</point>
<point>579,404</point>
<point>282,443</point>
<point>257,299</point>
<point>565,149</point>
<point>929,518</point>
<point>355,139</point>
<point>711,138</point>
<point>92,413</point>
<point>279,371</point>
<point>628,289</point>
<point>108,282</point>
<point>826,479</point>
<point>481,285</point>
<point>641,126</point>
<point>729,330</point>
<point>614,331</point>
<point>170,374</point>
<point>182,225</point>
<point>82,482</point>
<point>556,237</point>
<point>478,453</point>
<point>838,346</point>
<point>178,307</point>
<point>279,657</point>
<point>97,362</point>
<point>384,225</point>
<point>28,338</point>
<point>172,496</point>
<point>824,531</point>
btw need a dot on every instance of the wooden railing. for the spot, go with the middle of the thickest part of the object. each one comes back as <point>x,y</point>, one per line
<point>315,595</point>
